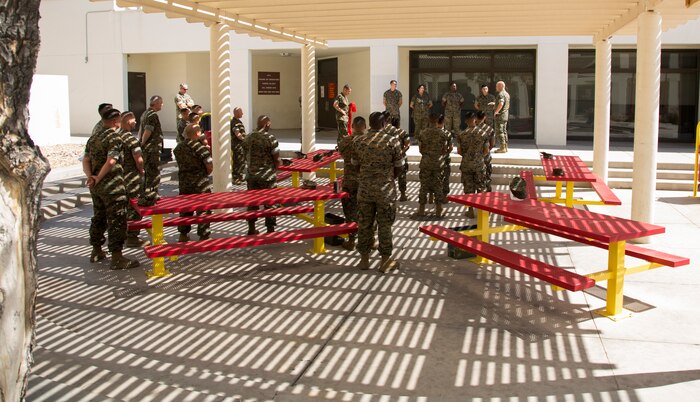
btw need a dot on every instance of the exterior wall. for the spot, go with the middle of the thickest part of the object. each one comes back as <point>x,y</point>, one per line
<point>48,107</point>
<point>172,49</point>
<point>353,69</point>
<point>284,108</point>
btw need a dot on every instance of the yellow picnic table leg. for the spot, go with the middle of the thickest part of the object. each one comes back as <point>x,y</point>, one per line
<point>482,225</point>
<point>616,268</point>
<point>319,220</point>
<point>557,194</point>
<point>295,179</point>
<point>332,173</point>
<point>158,270</point>
<point>570,194</point>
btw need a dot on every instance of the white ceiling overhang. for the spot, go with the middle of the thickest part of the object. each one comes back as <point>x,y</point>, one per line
<point>315,22</point>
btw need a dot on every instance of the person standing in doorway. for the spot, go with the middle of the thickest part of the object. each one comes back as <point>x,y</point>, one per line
<point>421,105</point>
<point>342,109</point>
<point>182,100</point>
<point>452,103</point>
<point>500,116</point>
<point>393,99</point>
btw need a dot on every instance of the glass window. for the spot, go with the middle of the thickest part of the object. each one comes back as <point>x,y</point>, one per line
<point>472,68</point>
<point>678,109</point>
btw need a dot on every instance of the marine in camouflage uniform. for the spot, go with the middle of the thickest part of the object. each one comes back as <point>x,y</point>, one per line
<point>181,125</point>
<point>392,101</point>
<point>501,117</point>
<point>182,100</point>
<point>421,105</point>
<point>378,155</point>
<point>262,153</point>
<point>238,161</point>
<point>194,163</point>
<point>151,148</point>
<point>482,104</point>
<point>447,166</point>
<point>342,110</point>
<point>108,193</point>
<point>434,146</point>
<point>490,138</point>
<point>405,142</point>
<point>132,179</point>
<point>350,181</point>
<point>452,102</point>
<point>473,147</point>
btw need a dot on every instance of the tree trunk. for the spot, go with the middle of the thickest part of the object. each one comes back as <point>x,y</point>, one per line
<point>22,172</point>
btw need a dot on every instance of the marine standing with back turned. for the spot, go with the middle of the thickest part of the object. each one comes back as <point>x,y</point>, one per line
<point>263,156</point>
<point>151,139</point>
<point>237,153</point>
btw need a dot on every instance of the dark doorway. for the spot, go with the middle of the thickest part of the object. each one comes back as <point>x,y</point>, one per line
<point>137,94</point>
<point>327,91</point>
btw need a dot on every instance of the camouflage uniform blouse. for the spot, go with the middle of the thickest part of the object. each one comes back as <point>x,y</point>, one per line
<point>106,144</point>
<point>344,105</point>
<point>433,147</point>
<point>260,148</point>
<point>237,125</point>
<point>150,121</point>
<point>350,171</point>
<point>392,99</point>
<point>421,106</point>
<point>473,145</point>
<point>192,158</point>
<point>453,101</point>
<point>377,154</point>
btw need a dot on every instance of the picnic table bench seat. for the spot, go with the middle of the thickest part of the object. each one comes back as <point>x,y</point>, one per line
<point>604,192</point>
<point>546,272</point>
<point>631,250</point>
<point>529,179</point>
<point>198,246</point>
<point>232,216</point>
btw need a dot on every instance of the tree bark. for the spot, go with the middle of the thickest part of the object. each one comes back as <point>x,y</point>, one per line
<point>22,173</point>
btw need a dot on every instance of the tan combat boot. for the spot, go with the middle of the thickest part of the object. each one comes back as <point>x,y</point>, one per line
<point>121,262</point>
<point>364,262</point>
<point>133,241</point>
<point>349,244</point>
<point>97,254</point>
<point>503,149</point>
<point>388,264</point>
<point>183,238</point>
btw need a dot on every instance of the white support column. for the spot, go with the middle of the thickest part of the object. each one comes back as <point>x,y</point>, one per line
<point>384,67</point>
<point>646,119</point>
<point>601,125</point>
<point>308,100</point>
<point>220,84</point>
<point>551,100</point>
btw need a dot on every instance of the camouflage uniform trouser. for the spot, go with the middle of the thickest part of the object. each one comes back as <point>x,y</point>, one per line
<point>238,162</point>
<point>402,175</point>
<point>446,173</point>
<point>474,181</point>
<point>489,171</point>
<point>350,204</point>
<point>501,132</point>
<point>151,178</point>
<point>420,123</point>
<point>202,228</point>
<point>452,121</point>
<point>108,213</point>
<point>132,180</point>
<point>342,129</point>
<point>431,182</point>
<point>270,222</point>
<point>385,215</point>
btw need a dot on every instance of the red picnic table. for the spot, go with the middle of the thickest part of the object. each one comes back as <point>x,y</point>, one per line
<point>599,230</point>
<point>307,165</point>
<point>240,199</point>
<point>574,170</point>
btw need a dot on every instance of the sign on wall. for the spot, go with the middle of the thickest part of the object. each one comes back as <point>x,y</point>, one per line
<point>268,83</point>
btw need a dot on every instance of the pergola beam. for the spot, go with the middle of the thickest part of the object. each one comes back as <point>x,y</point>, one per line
<point>209,16</point>
<point>625,19</point>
